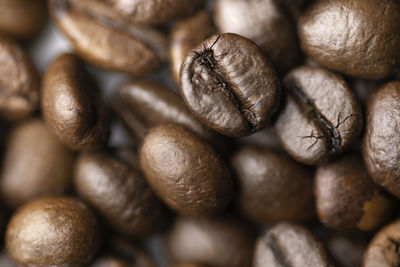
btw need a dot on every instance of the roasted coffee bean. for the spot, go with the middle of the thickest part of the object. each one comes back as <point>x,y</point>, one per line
<point>35,164</point>
<point>219,242</point>
<point>347,198</point>
<point>105,43</point>
<point>272,187</point>
<point>186,35</point>
<point>149,12</point>
<point>135,101</point>
<point>71,106</point>
<point>22,18</point>
<point>120,253</point>
<point>185,171</point>
<point>321,118</point>
<point>382,136</point>
<point>383,251</point>
<point>354,37</point>
<point>18,81</point>
<point>119,193</point>
<point>53,232</point>
<point>289,245</point>
<point>265,23</point>
<point>229,86</point>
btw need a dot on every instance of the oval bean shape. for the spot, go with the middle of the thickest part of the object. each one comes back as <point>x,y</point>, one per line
<point>185,171</point>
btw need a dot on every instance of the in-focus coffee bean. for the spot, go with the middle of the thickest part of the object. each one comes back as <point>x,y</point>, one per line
<point>382,136</point>
<point>347,198</point>
<point>19,82</point>
<point>107,44</point>
<point>355,37</point>
<point>271,186</point>
<point>229,85</point>
<point>35,164</point>
<point>266,23</point>
<point>185,171</point>
<point>72,106</point>
<point>57,231</point>
<point>120,194</point>
<point>322,116</point>
<point>289,245</point>
<point>217,242</point>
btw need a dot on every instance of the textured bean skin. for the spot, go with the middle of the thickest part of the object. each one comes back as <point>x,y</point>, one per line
<point>289,245</point>
<point>233,92</point>
<point>19,82</point>
<point>266,23</point>
<point>53,232</point>
<point>357,38</point>
<point>185,172</point>
<point>132,49</point>
<point>219,242</point>
<point>321,118</point>
<point>36,159</point>
<point>272,187</point>
<point>382,137</point>
<point>119,193</point>
<point>347,198</point>
<point>71,106</point>
<point>383,251</point>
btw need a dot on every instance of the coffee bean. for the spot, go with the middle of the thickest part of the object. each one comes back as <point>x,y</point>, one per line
<point>105,43</point>
<point>218,242</point>
<point>149,12</point>
<point>119,193</point>
<point>18,81</point>
<point>185,171</point>
<point>71,106</point>
<point>347,198</point>
<point>186,35</point>
<point>272,187</point>
<point>354,37</point>
<point>384,249</point>
<point>22,18</point>
<point>134,102</point>
<point>36,159</point>
<point>321,118</point>
<point>265,23</point>
<point>53,232</point>
<point>382,136</point>
<point>289,245</point>
<point>229,86</point>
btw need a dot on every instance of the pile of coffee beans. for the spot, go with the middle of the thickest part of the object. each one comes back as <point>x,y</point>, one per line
<point>200,133</point>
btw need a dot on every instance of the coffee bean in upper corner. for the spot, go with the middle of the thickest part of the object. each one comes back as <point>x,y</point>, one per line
<point>229,85</point>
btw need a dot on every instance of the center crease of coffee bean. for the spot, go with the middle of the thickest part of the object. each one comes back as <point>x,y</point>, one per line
<point>271,242</point>
<point>207,59</point>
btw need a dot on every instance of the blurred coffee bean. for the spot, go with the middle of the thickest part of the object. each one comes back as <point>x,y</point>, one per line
<point>347,198</point>
<point>229,85</point>
<point>185,172</point>
<point>72,106</point>
<point>265,23</point>
<point>383,251</point>
<point>272,187</point>
<point>107,44</point>
<point>355,37</point>
<point>53,232</point>
<point>144,104</point>
<point>289,245</point>
<point>22,18</point>
<point>35,164</point>
<point>382,136</point>
<point>219,242</point>
<point>120,194</point>
<point>19,81</point>
<point>186,35</point>
<point>322,116</point>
